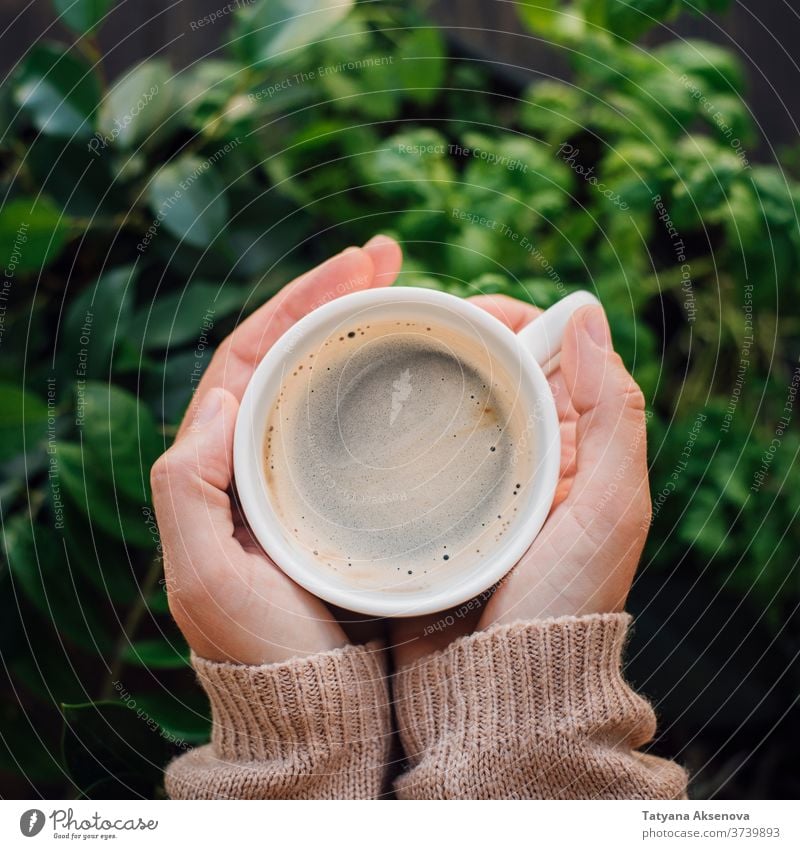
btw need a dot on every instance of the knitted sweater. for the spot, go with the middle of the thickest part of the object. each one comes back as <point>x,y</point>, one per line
<point>530,710</point>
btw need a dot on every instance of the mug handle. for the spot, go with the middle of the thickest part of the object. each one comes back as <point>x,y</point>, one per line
<point>543,336</point>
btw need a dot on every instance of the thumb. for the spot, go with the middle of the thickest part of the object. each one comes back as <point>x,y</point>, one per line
<point>190,482</point>
<point>610,490</point>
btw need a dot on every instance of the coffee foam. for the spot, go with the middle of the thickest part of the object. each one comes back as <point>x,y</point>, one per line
<point>395,455</point>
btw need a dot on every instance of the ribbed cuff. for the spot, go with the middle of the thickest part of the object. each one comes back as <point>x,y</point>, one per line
<point>532,710</point>
<point>322,703</point>
<point>561,674</point>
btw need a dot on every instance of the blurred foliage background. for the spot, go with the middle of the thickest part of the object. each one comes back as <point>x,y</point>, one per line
<point>142,216</point>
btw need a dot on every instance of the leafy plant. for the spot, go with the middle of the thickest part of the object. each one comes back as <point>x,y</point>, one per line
<point>142,219</point>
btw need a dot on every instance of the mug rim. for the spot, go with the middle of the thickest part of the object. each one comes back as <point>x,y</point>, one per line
<point>257,508</point>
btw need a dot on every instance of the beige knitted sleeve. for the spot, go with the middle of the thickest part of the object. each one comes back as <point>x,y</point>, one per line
<point>531,710</point>
<point>311,728</point>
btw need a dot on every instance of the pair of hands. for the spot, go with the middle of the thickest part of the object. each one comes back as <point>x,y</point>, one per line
<point>233,604</point>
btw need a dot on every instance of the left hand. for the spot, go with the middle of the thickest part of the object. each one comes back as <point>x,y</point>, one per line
<point>230,601</point>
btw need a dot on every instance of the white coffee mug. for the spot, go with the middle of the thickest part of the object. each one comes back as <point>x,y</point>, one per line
<point>529,356</point>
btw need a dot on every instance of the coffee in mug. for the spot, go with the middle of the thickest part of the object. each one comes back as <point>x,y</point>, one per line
<point>395,454</point>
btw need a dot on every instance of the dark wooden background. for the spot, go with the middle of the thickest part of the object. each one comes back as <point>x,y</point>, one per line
<point>765,32</point>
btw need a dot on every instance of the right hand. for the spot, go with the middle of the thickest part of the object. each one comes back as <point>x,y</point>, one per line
<point>231,602</point>
<point>585,556</point>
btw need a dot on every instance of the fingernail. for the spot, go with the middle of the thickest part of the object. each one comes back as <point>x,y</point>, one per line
<point>350,250</point>
<point>596,325</point>
<point>208,407</point>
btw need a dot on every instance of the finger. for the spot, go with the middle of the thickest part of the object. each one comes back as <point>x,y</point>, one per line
<point>386,259</point>
<point>350,271</point>
<point>232,604</point>
<point>513,313</point>
<point>376,264</point>
<point>190,483</point>
<point>610,486</point>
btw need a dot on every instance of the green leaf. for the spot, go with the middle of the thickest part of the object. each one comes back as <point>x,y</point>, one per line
<point>107,740</point>
<point>717,67</point>
<point>265,32</point>
<point>170,384</point>
<point>139,108</point>
<point>705,526</point>
<point>551,110</point>
<point>82,15</point>
<point>731,119</point>
<point>413,165</point>
<point>706,172</point>
<point>157,654</point>
<point>22,420</point>
<point>99,563</point>
<point>93,493</point>
<point>669,101</point>
<point>490,284</point>
<point>540,16</point>
<point>188,197</point>
<point>378,82</point>
<point>58,91</point>
<point>41,569</point>
<point>504,175</point>
<point>420,68</point>
<point>628,169</point>
<point>470,253</point>
<point>96,318</point>
<point>774,192</point>
<point>630,19</point>
<point>120,439</point>
<point>77,180</point>
<point>212,102</point>
<point>187,316</point>
<point>32,233</point>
